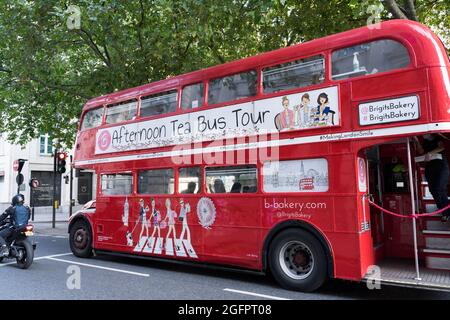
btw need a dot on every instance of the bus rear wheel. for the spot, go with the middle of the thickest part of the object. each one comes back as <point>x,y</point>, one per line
<point>297,260</point>
<point>80,239</point>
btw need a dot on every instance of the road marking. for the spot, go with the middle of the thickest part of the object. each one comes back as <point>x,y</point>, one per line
<point>39,258</point>
<point>100,267</point>
<point>255,294</point>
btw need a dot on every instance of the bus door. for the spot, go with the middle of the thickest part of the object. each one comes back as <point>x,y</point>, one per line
<point>375,189</point>
<point>389,185</point>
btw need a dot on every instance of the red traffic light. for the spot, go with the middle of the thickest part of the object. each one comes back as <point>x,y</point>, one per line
<point>62,156</point>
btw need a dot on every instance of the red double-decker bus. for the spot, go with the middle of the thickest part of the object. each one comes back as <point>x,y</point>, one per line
<point>269,162</point>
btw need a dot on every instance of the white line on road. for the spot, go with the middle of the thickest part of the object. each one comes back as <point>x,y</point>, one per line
<point>255,294</point>
<point>100,267</point>
<point>39,258</point>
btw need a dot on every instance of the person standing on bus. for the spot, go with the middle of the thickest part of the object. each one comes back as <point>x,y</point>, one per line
<point>302,112</point>
<point>436,169</point>
<point>321,116</point>
<point>143,217</point>
<point>156,217</point>
<point>170,216</point>
<point>286,116</point>
<point>184,210</point>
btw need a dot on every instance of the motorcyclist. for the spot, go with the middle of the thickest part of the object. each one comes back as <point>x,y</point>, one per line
<point>19,215</point>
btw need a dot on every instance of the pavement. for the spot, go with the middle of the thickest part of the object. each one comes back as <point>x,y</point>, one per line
<point>57,274</point>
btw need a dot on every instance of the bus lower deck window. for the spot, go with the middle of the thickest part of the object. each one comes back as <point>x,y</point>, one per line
<point>233,179</point>
<point>294,74</point>
<point>117,184</point>
<point>189,180</point>
<point>158,181</point>
<point>368,58</point>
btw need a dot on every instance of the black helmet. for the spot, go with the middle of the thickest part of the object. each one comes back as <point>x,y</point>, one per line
<point>18,199</point>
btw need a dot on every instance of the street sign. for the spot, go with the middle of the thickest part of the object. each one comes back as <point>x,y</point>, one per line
<point>19,179</point>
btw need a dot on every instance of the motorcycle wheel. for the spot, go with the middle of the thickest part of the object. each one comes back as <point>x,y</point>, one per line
<point>28,254</point>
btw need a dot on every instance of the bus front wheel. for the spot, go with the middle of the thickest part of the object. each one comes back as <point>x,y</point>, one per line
<point>297,260</point>
<point>81,239</point>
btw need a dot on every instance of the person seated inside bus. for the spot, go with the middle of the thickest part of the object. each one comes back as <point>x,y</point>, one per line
<point>190,188</point>
<point>436,169</point>
<point>236,187</point>
<point>219,186</point>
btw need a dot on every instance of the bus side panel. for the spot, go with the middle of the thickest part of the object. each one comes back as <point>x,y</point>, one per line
<point>234,237</point>
<point>347,262</point>
<point>114,231</point>
<point>439,83</point>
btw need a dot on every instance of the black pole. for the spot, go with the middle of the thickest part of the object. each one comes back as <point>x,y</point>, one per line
<point>54,190</point>
<point>32,202</point>
<point>71,186</point>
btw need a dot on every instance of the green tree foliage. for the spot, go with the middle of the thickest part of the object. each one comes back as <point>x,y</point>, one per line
<point>48,70</point>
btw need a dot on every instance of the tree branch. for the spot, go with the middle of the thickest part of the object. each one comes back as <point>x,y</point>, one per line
<point>395,9</point>
<point>411,10</point>
<point>93,46</point>
<point>5,70</point>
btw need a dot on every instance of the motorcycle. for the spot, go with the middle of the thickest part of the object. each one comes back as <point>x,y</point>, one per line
<point>20,247</point>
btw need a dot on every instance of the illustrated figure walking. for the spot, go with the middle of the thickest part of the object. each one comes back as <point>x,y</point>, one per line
<point>170,219</point>
<point>156,218</point>
<point>143,217</point>
<point>184,210</point>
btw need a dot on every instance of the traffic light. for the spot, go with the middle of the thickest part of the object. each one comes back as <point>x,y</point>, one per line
<point>61,162</point>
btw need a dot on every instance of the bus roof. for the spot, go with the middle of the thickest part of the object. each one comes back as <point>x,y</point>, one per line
<point>396,29</point>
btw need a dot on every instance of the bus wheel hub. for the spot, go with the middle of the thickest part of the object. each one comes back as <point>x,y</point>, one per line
<point>296,260</point>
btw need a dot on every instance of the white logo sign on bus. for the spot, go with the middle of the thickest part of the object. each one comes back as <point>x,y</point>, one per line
<point>387,111</point>
<point>278,114</point>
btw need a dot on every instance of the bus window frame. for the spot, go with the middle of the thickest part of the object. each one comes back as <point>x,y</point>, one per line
<point>327,193</point>
<point>301,89</point>
<point>235,101</point>
<point>101,106</point>
<point>162,115</point>
<point>412,60</point>
<point>202,187</point>
<point>230,194</point>
<point>203,102</point>
<point>117,103</point>
<point>146,168</point>
<point>100,189</point>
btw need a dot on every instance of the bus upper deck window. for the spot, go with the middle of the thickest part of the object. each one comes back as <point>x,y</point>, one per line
<point>92,119</point>
<point>192,96</point>
<point>233,87</point>
<point>368,58</point>
<point>116,184</point>
<point>160,103</point>
<point>294,74</point>
<point>120,112</point>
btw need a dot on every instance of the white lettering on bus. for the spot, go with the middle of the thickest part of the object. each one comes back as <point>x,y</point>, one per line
<point>285,204</point>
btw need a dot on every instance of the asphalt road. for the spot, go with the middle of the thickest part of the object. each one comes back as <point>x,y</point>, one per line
<point>106,277</point>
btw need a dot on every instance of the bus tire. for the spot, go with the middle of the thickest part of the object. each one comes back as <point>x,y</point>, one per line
<point>80,239</point>
<point>297,260</point>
